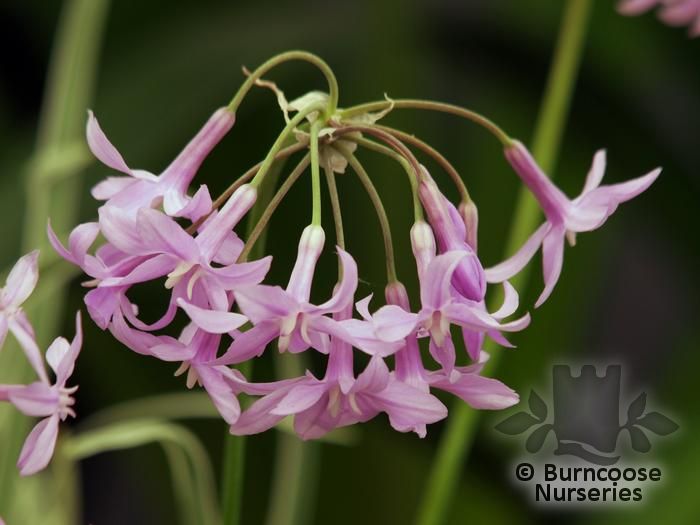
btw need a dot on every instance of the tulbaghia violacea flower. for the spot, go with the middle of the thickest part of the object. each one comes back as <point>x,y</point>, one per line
<point>565,217</point>
<point>463,381</point>
<point>440,309</point>
<point>451,234</point>
<point>340,399</point>
<point>287,313</point>
<point>671,12</point>
<point>53,402</point>
<point>143,189</point>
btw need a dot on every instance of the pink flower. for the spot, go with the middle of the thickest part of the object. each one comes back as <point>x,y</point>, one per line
<point>288,314</point>
<point>340,399</point>
<point>440,309</point>
<point>451,234</point>
<point>53,402</point>
<point>565,217</point>
<point>672,12</point>
<point>143,189</point>
<point>19,285</point>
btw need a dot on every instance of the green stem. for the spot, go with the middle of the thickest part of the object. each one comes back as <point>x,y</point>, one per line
<point>379,208</point>
<point>281,141</point>
<point>266,215</point>
<point>315,174</point>
<point>286,57</point>
<point>134,433</point>
<point>438,157</point>
<point>335,206</point>
<point>459,434</point>
<point>412,179</point>
<point>430,105</point>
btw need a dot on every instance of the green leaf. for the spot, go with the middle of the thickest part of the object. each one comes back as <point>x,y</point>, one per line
<point>537,406</point>
<point>658,423</point>
<point>516,424</point>
<point>536,439</point>
<point>636,409</point>
<point>639,440</point>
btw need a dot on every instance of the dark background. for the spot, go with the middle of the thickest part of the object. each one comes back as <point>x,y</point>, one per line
<point>628,292</point>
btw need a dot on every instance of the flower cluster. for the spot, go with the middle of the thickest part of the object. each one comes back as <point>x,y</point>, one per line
<point>671,12</point>
<point>53,402</point>
<point>156,231</point>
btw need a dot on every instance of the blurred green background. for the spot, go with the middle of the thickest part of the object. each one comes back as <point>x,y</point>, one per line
<point>628,292</point>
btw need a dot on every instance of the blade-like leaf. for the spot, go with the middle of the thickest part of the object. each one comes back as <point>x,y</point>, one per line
<point>639,440</point>
<point>536,439</point>
<point>636,409</point>
<point>516,424</point>
<point>537,406</point>
<point>658,423</point>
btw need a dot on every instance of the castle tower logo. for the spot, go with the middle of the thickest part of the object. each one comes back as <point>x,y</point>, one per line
<point>586,417</point>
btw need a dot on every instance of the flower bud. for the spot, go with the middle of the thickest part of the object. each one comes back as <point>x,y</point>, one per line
<point>470,216</point>
<point>310,248</point>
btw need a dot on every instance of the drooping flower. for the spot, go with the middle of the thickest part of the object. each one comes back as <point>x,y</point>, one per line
<point>340,399</point>
<point>440,309</point>
<point>19,285</point>
<point>54,402</point>
<point>287,313</point>
<point>451,234</point>
<point>141,189</point>
<point>671,12</point>
<point>565,217</point>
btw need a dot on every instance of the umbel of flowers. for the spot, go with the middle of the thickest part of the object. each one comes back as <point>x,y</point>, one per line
<point>166,228</point>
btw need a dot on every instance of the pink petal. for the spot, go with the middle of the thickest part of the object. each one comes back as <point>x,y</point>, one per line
<point>212,321</point>
<point>635,7</point>
<point>21,281</point>
<point>38,447</point>
<point>513,265</point>
<point>196,207</point>
<point>435,288</point>
<point>374,378</point>
<point>237,275</point>
<point>510,302</point>
<point>162,234</point>
<point>595,174</point>
<point>151,268</point>
<point>299,398</point>
<point>552,260</point>
<point>172,350</point>
<point>262,302</point>
<point>259,416</point>
<point>62,356</point>
<point>21,329</point>
<point>364,337</point>
<point>139,342</point>
<point>36,399</point>
<point>344,292</point>
<point>479,392</point>
<point>117,226</point>
<point>393,323</point>
<point>250,343</point>
<point>220,392</point>
<point>110,187</point>
<point>102,148</point>
<point>410,409</point>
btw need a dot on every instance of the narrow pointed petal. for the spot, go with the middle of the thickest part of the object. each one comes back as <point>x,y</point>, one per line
<point>220,392</point>
<point>249,344</point>
<point>345,290</point>
<point>110,187</point>
<point>38,447</point>
<point>510,302</point>
<point>595,174</point>
<point>263,302</point>
<point>435,288</point>
<point>102,148</point>
<point>552,260</point>
<point>259,417</point>
<point>162,234</point>
<point>195,208</point>
<point>299,398</point>
<point>482,393</point>
<point>508,268</point>
<point>61,356</point>
<point>237,275</point>
<point>21,281</point>
<point>21,329</point>
<point>212,321</point>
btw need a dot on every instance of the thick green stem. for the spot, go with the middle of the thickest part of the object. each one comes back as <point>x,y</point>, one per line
<point>459,434</point>
<point>287,57</point>
<point>379,208</point>
<point>315,174</point>
<point>431,106</point>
